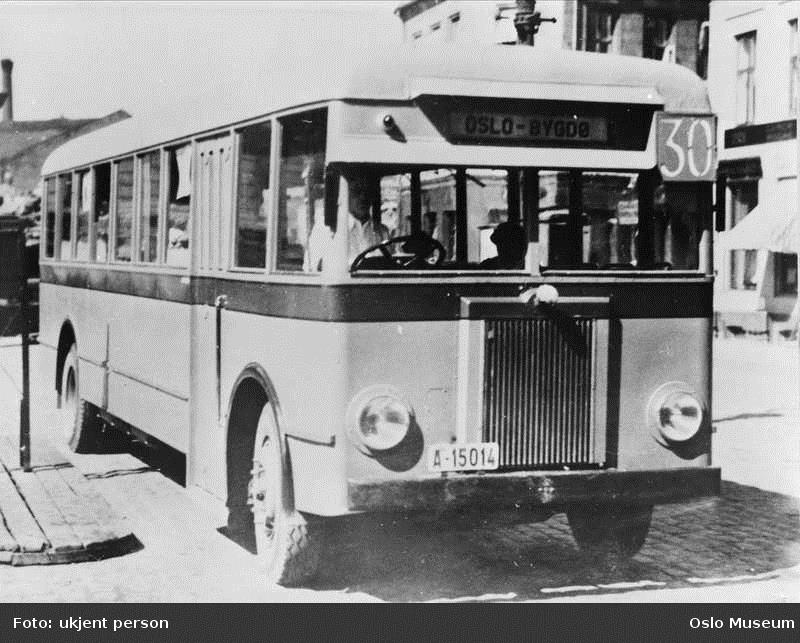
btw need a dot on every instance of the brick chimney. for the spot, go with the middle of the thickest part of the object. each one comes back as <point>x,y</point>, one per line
<point>8,110</point>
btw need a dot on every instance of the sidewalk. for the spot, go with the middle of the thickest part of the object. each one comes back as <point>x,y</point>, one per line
<point>52,514</point>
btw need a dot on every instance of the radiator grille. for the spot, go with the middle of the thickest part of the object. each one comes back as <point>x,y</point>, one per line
<point>538,391</point>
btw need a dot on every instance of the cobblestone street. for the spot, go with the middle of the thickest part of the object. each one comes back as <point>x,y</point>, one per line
<point>736,547</point>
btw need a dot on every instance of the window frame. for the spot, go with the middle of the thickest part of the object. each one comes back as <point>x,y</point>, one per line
<point>139,179</point>
<point>166,188</point>
<point>778,266</point>
<point>749,73</point>
<point>58,233</point>
<point>87,172</point>
<point>275,170</point>
<point>94,213</point>
<point>45,205</point>
<point>115,163</point>
<point>794,67</point>
<point>234,223</point>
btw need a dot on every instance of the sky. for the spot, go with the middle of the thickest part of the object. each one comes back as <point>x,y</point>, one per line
<point>88,59</point>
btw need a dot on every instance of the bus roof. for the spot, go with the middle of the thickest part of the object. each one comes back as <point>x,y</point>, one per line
<point>403,74</point>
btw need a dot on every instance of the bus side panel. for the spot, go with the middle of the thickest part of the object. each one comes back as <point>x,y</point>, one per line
<point>149,365</point>
<point>93,383</point>
<point>207,440</point>
<point>50,322</point>
<point>654,352</point>
<point>86,310</point>
<point>79,307</point>
<point>305,362</point>
<point>149,342</point>
<point>163,416</point>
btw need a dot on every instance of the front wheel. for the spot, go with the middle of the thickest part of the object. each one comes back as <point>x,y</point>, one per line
<point>80,423</point>
<point>289,544</point>
<point>610,532</point>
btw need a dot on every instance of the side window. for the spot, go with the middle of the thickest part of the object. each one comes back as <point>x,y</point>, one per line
<point>124,211</point>
<point>487,208</point>
<point>253,196</point>
<point>65,233</point>
<point>49,217</point>
<point>395,196</point>
<point>150,173</point>
<point>83,208</point>
<point>301,190</point>
<point>179,205</point>
<point>102,199</point>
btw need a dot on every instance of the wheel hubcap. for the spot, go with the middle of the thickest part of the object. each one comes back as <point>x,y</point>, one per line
<point>69,404</point>
<point>261,495</point>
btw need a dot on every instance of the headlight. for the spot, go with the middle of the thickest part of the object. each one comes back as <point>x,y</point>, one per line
<point>379,419</point>
<point>675,413</point>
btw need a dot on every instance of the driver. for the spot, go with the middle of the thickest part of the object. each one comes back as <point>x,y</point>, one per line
<point>512,244</point>
<point>364,231</point>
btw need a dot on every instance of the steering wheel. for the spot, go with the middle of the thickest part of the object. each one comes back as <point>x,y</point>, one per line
<point>419,255</point>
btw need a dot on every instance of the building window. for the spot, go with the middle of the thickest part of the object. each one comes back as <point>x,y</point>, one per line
<point>253,196</point>
<point>744,197</point>
<point>149,192</point>
<point>455,21</point>
<point>746,77</point>
<point>657,32</point>
<point>179,193</point>
<point>123,236</point>
<point>599,30</point>
<point>794,66</point>
<point>785,274</point>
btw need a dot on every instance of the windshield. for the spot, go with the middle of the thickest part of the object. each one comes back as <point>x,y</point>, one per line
<point>510,219</point>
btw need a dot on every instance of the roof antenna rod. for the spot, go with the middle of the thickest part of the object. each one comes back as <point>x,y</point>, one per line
<point>527,21</point>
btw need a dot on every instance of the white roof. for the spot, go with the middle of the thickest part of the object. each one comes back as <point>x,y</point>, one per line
<point>402,73</point>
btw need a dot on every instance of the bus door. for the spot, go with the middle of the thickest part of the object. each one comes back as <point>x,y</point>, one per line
<point>214,183</point>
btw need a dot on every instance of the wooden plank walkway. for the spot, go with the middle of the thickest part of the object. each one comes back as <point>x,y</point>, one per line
<point>53,514</point>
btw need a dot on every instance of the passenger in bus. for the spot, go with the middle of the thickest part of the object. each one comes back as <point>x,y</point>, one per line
<point>512,244</point>
<point>364,231</point>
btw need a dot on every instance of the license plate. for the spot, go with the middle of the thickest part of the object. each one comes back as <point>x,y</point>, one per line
<point>476,456</point>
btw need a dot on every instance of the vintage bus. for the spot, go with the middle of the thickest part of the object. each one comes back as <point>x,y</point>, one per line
<point>445,280</point>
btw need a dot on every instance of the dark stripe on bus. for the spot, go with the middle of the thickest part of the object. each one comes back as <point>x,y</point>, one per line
<point>648,298</point>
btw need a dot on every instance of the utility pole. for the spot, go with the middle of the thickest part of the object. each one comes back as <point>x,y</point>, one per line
<point>527,21</point>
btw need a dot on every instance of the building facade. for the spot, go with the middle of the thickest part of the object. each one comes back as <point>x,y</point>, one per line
<point>754,81</point>
<point>660,29</point>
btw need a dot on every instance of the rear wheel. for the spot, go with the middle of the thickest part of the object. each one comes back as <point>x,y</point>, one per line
<point>80,423</point>
<point>289,544</point>
<point>613,533</point>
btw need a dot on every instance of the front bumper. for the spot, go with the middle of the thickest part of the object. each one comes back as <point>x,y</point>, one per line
<point>546,489</point>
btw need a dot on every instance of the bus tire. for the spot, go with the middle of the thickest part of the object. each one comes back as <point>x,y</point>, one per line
<point>81,424</point>
<point>294,556</point>
<point>612,533</point>
<point>289,545</point>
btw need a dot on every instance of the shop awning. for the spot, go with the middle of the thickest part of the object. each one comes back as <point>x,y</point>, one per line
<point>775,228</point>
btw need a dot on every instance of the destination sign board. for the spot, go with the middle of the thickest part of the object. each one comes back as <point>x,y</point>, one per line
<point>495,127</point>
